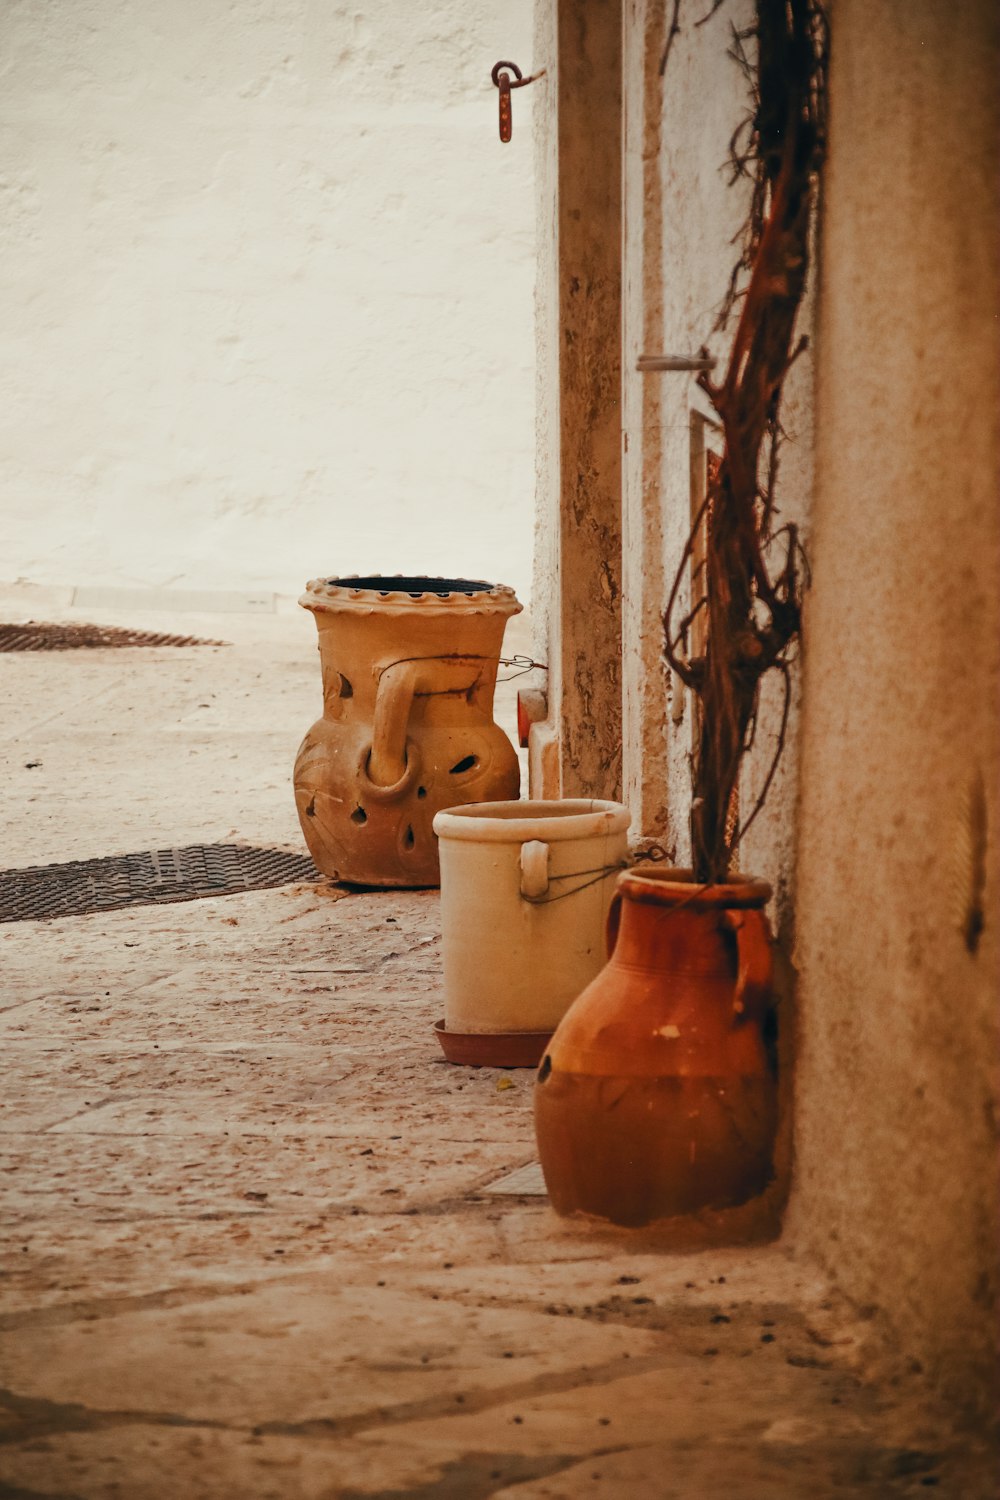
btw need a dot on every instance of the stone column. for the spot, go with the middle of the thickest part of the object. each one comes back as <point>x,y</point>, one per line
<point>576,751</point>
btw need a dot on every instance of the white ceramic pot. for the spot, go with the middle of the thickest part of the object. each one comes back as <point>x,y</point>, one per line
<point>525,891</point>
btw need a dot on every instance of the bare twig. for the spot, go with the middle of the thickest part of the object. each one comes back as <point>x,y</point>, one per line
<point>716,6</point>
<point>673,32</point>
<point>773,768</point>
<point>753,613</point>
<point>682,668</point>
<point>680,634</point>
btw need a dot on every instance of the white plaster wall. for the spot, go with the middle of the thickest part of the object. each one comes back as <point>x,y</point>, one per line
<point>266,279</point>
<point>682,216</point>
<point>679,222</point>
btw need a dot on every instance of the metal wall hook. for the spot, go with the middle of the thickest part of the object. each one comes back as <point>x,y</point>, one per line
<point>513,67</point>
<point>518,81</point>
<point>501,76</point>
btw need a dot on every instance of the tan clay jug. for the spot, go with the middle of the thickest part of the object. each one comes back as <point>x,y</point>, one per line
<point>656,1096</point>
<point>409,670</point>
<point>525,892</point>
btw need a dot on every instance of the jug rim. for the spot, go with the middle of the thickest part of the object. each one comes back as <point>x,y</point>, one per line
<point>550,821</point>
<point>673,885</point>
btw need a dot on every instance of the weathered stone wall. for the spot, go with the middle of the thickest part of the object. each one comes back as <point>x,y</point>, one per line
<point>891,469</point>
<point>579,493</point>
<point>897,1088</point>
<point>265,291</point>
<point>646,721</point>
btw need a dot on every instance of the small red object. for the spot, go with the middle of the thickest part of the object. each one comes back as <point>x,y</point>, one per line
<point>532,708</point>
<point>523,723</point>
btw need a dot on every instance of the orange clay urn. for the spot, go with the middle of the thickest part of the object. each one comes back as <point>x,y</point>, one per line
<point>656,1096</point>
<point>409,668</point>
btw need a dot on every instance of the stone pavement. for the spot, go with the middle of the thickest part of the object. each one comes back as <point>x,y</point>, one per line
<point>253,1245</point>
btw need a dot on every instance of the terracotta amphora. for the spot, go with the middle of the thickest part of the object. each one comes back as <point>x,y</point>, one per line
<point>409,670</point>
<point>656,1096</point>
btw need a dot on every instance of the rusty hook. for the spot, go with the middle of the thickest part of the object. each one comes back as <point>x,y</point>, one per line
<point>501,76</point>
<point>518,81</point>
<point>495,75</point>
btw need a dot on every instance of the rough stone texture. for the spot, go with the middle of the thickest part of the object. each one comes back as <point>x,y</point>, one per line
<point>645,728</point>
<point>241,245</point>
<point>897,1074</point>
<point>578,562</point>
<point>247,1247</point>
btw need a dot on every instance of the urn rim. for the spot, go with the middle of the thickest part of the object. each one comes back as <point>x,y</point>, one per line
<point>394,592</point>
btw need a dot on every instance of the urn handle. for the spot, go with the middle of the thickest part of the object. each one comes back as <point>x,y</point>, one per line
<point>398,684</point>
<point>534,869</point>
<point>387,760</point>
<point>754,963</point>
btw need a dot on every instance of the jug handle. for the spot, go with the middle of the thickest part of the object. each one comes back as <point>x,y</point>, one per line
<point>613,923</point>
<point>387,760</point>
<point>754,963</point>
<point>534,869</point>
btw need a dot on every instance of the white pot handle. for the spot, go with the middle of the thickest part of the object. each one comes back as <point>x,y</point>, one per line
<point>534,869</point>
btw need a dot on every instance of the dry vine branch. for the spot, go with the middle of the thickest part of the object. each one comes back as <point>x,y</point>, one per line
<point>754,612</point>
<point>674,30</point>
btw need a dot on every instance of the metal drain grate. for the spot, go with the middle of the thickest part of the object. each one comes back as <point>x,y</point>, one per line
<point>91,885</point>
<point>33,636</point>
